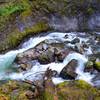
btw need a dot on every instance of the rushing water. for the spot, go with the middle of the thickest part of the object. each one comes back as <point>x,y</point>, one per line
<point>38,69</point>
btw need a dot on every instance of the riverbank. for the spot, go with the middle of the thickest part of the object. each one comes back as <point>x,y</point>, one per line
<point>22,18</point>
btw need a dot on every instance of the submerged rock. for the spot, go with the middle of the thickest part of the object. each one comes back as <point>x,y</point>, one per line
<point>76,40</point>
<point>68,72</point>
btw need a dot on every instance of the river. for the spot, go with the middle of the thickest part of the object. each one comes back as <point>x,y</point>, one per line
<point>7,59</point>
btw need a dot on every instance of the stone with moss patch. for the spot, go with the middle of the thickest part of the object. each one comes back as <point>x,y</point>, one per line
<point>14,90</point>
<point>77,90</point>
<point>97,65</point>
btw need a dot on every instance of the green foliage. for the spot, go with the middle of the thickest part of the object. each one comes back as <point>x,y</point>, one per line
<point>10,9</point>
<point>13,7</point>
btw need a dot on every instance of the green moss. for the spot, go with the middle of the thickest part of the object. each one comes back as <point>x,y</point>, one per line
<point>8,87</point>
<point>97,65</point>
<point>49,90</point>
<point>48,96</point>
<point>13,7</point>
<point>13,40</point>
<point>8,13</point>
<point>10,9</point>
<point>77,90</point>
<point>15,37</point>
<point>22,96</point>
<point>89,64</point>
<point>14,90</point>
<point>82,84</point>
<point>62,84</point>
<point>90,10</point>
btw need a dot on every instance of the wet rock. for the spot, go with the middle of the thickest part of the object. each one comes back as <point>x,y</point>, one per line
<point>92,58</point>
<point>68,72</point>
<point>85,45</point>
<point>89,67</point>
<point>60,55</point>
<point>96,48</point>
<point>46,57</point>
<point>26,66</point>
<point>95,58</point>
<point>79,48</point>
<point>50,73</point>
<point>44,53</point>
<point>97,66</point>
<point>76,40</point>
<point>96,80</point>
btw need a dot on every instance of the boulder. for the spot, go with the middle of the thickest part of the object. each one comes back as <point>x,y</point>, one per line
<point>77,90</point>
<point>46,57</point>
<point>61,54</point>
<point>76,40</point>
<point>89,67</point>
<point>44,53</point>
<point>68,72</point>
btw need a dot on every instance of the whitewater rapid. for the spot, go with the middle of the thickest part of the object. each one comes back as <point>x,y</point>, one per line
<point>38,69</point>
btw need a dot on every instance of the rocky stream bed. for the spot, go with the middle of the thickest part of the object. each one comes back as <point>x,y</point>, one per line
<point>49,49</point>
<point>50,62</point>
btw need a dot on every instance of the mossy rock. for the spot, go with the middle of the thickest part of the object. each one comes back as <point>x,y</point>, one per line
<point>89,66</point>
<point>14,90</point>
<point>77,90</point>
<point>14,38</point>
<point>97,65</point>
<point>73,90</point>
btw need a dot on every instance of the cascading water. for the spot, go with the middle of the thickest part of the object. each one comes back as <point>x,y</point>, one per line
<point>35,72</point>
